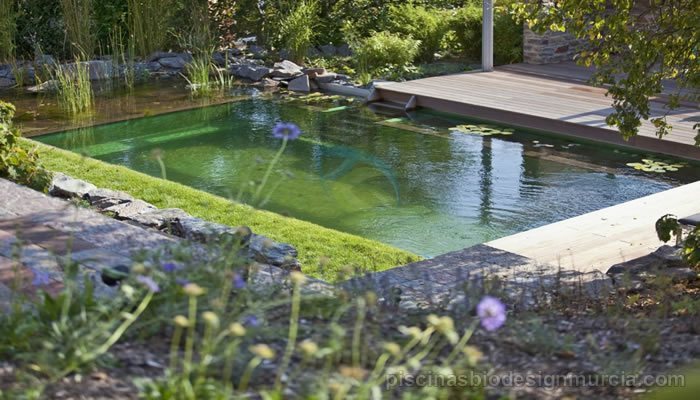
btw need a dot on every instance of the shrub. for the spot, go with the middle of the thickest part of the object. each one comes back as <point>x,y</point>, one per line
<point>429,25</point>
<point>17,163</point>
<point>508,34</point>
<point>297,29</point>
<point>38,25</point>
<point>383,49</point>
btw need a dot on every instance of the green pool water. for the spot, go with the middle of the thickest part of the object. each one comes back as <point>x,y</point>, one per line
<point>408,181</point>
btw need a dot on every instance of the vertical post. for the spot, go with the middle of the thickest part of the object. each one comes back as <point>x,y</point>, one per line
<point>487,37</point>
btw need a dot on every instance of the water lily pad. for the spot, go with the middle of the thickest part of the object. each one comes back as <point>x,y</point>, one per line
<point>482,130</point>
<point>656,166</point>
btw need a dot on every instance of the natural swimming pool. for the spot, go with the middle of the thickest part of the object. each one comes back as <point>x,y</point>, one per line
<point>407,181</point>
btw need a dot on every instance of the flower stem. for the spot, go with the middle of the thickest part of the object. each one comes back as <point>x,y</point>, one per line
<point>270,167</point>
<point>293,330</point>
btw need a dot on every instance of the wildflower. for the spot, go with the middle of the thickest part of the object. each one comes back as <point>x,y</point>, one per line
<point>413,331</point>
<point>441,324</point>
<point>263,351</point>
<point>251,320</point>
<point>308,347</point>
<point>238,281</point>
<point>169,267</point>
<point>194,290</point>
<point>149,283</point>
<point>138,268</point>
<point>41,277</point>
<point>236,329</point>
<point>286,130</point>
<point>492,313</point>
<point>473,354</point>
<point>181,321</point>
<point>356,373</point>
<point>297,278</point>
<point>211,319</point>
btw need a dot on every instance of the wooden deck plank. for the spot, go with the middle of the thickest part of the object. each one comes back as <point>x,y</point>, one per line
<point>597,240</point>
<point>544,102</point>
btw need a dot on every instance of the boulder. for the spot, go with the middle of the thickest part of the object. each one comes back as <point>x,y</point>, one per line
<point>45,87</point>
<point>153,66</point>
<point>286,69</point>
<point>5,71</point>
<point>175,62</point>
<point>64,186</point>
<point>328,50</point>
<point>252,72</point>
<point>326,78</point>
<point>300,84</point>
<point>640,272</point>
<point>267,83</point>
<point>161,219</point>
<point>105,198</point>
<point>99,69</point>
<point>267,251</point>
<point>344,50</point>
<point>314,72</point>
<point>257,51</point>
<point>6,82</point>
<point>130,209</point>
<point>218,58</point>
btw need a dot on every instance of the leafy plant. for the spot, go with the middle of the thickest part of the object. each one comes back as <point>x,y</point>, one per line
<point>298,29</point>
<point>8,27</point>
<point>18,163</point>
<point>429,25</point>
<point>383,49</point>
<point>482,130</point>
<point>77,19</point>
<point>650,165</point>
<point>508,35</point>
<point>668,226</point>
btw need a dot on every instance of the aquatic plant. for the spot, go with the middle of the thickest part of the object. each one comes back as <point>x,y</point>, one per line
<point>74,89</point>
<point>482,130</point>
<point>651,165</point>
<point>147,20</point>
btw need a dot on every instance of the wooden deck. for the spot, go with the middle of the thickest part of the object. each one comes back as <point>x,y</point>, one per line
<point>600,239</point>
<point>556,100</point>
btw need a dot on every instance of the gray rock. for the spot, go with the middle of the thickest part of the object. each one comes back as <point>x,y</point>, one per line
<point>326,78</point>
<point>105,198</point>
<point>286,69</point>
<point>45,87</point>
<point>344,50</point>
<point>161,219</point>
<point>160,54</point>
<point>638,273</point>
<point>153,66</point>
<point>268,83</point>
<point>5,70</point>
<point>44,59</point>
<point>252,72</point>
<point>270,252</point>
<point>300,84</point>
<point>175,62</point>
<point>199,230</point>
<point>257,51</point>
<point>99,69</point>
<point>328,50</point>
<point>5,82</point>
<point>130,209</point>
<point>219,58</point>
<point>65,186</point>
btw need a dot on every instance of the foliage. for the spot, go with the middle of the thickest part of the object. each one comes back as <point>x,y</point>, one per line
<point>429,25</point>
<point>18,162</point>
<point>298,29</point>
<point>323,252</point>
<point>39,24</point>
<point>77,19</point>
<point>508,35</point>
<point>74,89</point>
<point>383,49</point>
<point>147,22</point>
<point>668,226</point>
<point>634,45</point>
<point>8,26</point>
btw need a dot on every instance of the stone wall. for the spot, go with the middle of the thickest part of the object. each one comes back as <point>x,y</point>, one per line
<point>549,48</point>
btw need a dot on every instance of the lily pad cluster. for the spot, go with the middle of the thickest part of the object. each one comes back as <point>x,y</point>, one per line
<point>650,165</point>
<point>482,130</point>
<point>316,97</point>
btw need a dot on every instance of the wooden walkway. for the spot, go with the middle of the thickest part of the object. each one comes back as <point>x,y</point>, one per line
<point>554,101</point>
<point>600,239</point>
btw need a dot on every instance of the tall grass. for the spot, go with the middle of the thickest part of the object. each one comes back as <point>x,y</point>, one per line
<point>123,55</point>
<point>73,87</point>
<point>77,17</point>
<point>8,27</point>
<point>298,29</point>
<point>148,20</point>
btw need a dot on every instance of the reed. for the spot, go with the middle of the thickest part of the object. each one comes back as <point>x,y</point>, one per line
<point>8,27</point>
<point>77,18</point>
<point>147,22</point>
<point>73,87</point>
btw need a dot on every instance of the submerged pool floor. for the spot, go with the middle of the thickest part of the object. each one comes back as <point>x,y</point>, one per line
<point>410,182</point>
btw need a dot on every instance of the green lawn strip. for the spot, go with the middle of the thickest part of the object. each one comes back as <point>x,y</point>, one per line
<point>322,251</point>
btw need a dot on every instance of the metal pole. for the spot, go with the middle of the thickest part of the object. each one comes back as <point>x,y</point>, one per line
<point>487,37</point>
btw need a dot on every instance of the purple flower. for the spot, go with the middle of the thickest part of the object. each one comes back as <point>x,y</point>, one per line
<point>41,277</point>
<point>149,283</point>
<point>238,281</point>
<point>492,313</point>
<point>169,267</point>
<point>251,320</point>
<point>286,130</point>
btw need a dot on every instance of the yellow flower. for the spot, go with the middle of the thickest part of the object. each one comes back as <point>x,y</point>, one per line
<point>308,347</point>
<point>181,321</point>
<point>371,298</point>
<point>211,319</point>
<point>441,324</point>
<point>194,290</point>
<point>138,269</point>
<point>297,278</point>
<point>392,348</point>
<point>236,329</point>
<point>412,331</point>
<point>356,373</point>
<point>263,351</point>
<point>473,354</point>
